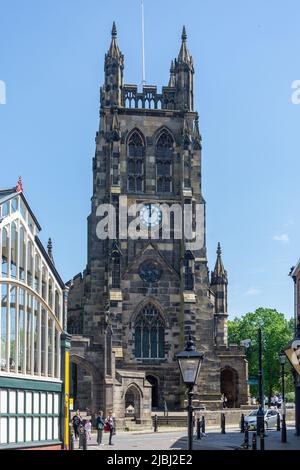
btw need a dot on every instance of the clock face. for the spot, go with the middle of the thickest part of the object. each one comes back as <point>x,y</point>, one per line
<point>150,271</point>
<point>150,216</point>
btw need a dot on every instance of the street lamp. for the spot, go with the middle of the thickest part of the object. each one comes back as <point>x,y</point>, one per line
<point>260,418</point>
<point>189,362</point>
<point>282,358</point>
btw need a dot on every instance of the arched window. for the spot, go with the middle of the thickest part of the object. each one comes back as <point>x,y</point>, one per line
<point>116,270</point>
<point>164,155</point>
<point>149,334</point>
<point>4,253</point>
<point>135,163</point>
<point>29,263</point>
<point>13,250</point>
<point>22,257</point>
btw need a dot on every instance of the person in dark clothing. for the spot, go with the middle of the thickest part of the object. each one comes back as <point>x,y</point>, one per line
<point>110,422</point>
<point>76,423</point>
<point>100,426</point>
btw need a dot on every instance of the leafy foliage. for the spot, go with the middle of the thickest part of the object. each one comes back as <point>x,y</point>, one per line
<point>277,331</point>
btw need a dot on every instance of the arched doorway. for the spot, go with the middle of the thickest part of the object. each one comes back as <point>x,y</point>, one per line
<point>229,387</point>
<point>84,384</point>
<point>133,402</point>
<point>155,391</point>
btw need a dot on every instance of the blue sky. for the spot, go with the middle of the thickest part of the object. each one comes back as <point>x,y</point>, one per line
<point>246,56</point>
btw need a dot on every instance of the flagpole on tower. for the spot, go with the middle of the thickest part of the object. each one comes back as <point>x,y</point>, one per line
<point>143,45</point>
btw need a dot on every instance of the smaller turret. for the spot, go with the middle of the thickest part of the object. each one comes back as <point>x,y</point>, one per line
<point>111,93</point>
<point>219,283</point>
<point>184,71</point>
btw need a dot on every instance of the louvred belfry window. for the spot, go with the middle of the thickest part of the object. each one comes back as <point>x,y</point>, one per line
<point>135,163</point>
<point>164,155</point>
<point>149,334</point>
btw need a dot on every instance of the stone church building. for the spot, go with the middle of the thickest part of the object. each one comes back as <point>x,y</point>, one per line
<point>138,299</point>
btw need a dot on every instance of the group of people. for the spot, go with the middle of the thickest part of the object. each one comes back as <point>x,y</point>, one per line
<point>103,425</point>
<point>276,400</point>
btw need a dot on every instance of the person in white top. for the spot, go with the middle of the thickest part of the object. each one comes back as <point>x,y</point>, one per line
<point>88,429</point>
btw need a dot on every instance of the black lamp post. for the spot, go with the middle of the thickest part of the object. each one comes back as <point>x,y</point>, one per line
<point>282,358</point>
<point>189,362</point>
<point>260,426</point>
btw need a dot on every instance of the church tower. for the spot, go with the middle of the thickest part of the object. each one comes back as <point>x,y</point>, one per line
<point>144,292</point>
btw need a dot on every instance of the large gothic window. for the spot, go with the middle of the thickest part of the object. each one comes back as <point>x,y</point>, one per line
<point>149,334</point>
<point>164,154</point>
<point>135,163</point>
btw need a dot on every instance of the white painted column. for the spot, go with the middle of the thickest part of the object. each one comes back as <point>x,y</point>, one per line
<point>17,328</point>
<point>58,356</point>
<point>53,349</point>
<point>8,329</point>
<point>32,331</point>
<point>18,249</point>
<point>39,339</point>
<point>46,345</point>
<point>8,249</point>
<point>25,329</point>
<point>0,311</point>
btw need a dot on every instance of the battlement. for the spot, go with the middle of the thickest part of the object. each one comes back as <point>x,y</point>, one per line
<point>148,98</point>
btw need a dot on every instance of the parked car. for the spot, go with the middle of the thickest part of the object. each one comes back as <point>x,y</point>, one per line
<point>270,419</point>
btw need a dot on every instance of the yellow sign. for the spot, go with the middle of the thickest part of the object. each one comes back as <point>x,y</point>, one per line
<point>71,404</point>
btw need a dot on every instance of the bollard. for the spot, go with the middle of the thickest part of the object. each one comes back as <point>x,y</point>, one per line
<point>254,442</point>
<point>198,429</point>
<point>262,440</point>
<point>223,423</point>
<point>84,440</point>
<point>155,423</point>
<point>278,422</point>
<point>246,438</point>
<point>71,444</point>
<point>203,424</point>
<point>283,429</point>
<point>80,432</point>
<point>243,423</point>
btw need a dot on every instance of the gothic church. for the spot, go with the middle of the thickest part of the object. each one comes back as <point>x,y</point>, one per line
<point>138,300</point>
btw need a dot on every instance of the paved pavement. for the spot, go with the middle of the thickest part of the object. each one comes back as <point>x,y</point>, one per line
<point>177,439</point>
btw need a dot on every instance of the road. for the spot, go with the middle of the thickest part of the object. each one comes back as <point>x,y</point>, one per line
<point>177,440</point>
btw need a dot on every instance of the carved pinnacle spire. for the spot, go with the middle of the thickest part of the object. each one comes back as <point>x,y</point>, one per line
<point>114,50</point>
<point>114,30</point>
<point>219,271</point>
<point>184,55</point>
<point>172,75</point>
<point>49,250</point>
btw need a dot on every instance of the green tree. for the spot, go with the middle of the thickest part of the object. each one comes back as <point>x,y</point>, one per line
<point>277,331</point>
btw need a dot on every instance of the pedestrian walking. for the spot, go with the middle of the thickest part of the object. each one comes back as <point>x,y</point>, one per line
<point>100,427</point>
<point>110,426</point>
<point>88,429</point>
<point>76,420</point>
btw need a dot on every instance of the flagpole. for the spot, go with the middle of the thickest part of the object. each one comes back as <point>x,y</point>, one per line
<point>143,45</point>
